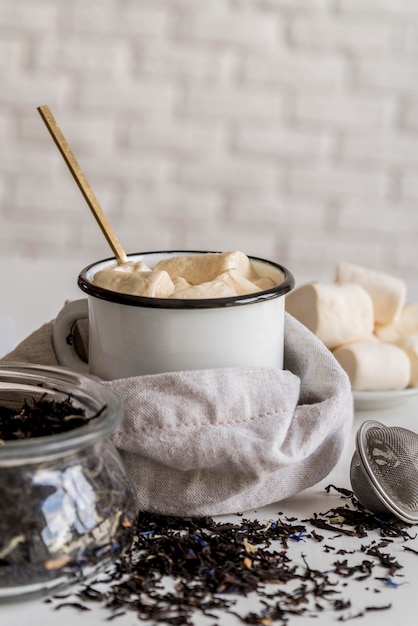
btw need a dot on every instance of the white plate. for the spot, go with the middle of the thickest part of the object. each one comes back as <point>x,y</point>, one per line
<point>375,400</point>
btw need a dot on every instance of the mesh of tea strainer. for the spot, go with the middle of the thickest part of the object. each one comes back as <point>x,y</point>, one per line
<point>384,470</point>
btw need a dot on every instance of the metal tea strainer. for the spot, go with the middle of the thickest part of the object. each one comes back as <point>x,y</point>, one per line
<point>384,470</point>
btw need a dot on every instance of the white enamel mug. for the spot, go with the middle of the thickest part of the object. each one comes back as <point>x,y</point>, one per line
<point>133,335</point>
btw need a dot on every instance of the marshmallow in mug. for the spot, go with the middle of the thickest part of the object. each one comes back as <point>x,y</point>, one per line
<point>235,321</point>
<point>209,275</point>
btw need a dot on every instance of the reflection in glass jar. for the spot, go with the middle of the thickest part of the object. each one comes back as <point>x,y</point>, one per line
<point>70,506</point>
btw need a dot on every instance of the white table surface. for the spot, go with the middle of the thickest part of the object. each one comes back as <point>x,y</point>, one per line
<point>52,289</point>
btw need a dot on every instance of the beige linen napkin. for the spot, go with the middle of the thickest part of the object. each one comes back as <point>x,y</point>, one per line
<point>223,441</point>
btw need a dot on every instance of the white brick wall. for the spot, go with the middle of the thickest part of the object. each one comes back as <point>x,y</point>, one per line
<point>285,128</point>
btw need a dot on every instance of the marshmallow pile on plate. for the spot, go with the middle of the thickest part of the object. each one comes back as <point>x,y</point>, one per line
<point>364,320</point>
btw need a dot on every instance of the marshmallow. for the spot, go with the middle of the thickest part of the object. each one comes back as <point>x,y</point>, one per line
<point>239,283</point>
<point>205,267</point>
<point>207,275</point>
<point>264,282</point>
<point>406,324</point>
<point>335,313</point>
<point>410,345</point>
<point>226,284</point>
<point>388,332</point>
<point>211,289</point>
<point>132,266</point>
<point>179,283</point>
<point>374,366</point>
<point>388,293</point>
<point>409,319</point>
<point>146,283</point>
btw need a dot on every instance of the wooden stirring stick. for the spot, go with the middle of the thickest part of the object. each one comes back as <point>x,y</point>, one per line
<point>81,181</point>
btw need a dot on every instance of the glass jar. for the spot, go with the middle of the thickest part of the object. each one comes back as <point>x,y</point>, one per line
<point>66,503</point>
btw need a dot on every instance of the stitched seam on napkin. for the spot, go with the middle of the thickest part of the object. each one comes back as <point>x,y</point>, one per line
<point>226,423</point>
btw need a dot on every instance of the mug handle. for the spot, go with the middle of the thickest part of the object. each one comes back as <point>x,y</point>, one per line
<point>63,334</point>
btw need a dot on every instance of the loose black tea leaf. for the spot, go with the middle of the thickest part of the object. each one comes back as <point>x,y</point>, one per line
<point>344,492</point>
<point>385,607</point>
<point>40,418</point>
<point>210,564</point>
<point>76,605</point>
